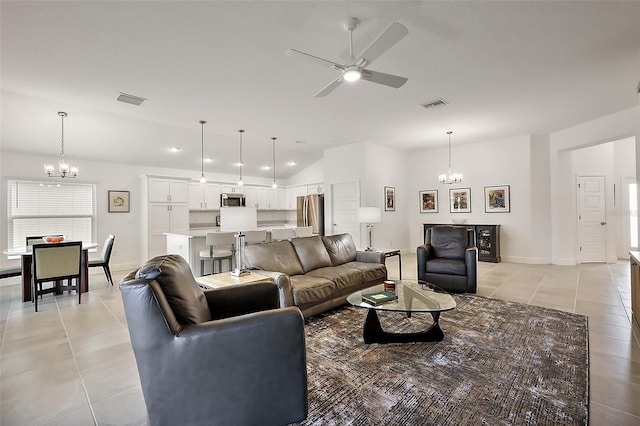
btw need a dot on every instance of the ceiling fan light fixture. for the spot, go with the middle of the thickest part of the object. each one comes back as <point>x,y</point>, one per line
<point>352,74</point>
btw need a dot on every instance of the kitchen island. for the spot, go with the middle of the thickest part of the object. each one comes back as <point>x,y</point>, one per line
<point>189,245</point>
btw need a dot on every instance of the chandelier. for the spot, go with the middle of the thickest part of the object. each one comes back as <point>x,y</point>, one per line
<point>63,166</point>
<point>450,178</point>
<point>273,145</point>
<point>203,179</point>
<point>240,182</point>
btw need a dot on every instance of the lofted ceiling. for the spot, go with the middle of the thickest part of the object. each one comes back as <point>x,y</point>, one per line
<point>505,69</point>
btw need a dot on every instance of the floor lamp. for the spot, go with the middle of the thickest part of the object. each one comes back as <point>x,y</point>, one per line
<point>238,220</point>
<point>369,215</point>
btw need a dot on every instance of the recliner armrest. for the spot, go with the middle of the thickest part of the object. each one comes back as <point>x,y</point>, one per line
<point>241,299</point>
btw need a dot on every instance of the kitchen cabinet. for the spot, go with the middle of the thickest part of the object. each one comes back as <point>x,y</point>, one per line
<point>296,191</point>
<point>316,188</point>
<point>165,217</point>
<point>251,196</point>
<point>204,196</point>
<point>227,188</point>
<point>635,287</point>
<point>168,190</point>
<point>282,198</point>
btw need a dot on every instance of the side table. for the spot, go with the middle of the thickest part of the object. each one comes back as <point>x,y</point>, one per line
<point>394,252</point>
<point>225,279</point>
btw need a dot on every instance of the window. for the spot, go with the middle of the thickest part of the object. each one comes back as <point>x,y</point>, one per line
<point>45,208</point>
<point>633,216</point>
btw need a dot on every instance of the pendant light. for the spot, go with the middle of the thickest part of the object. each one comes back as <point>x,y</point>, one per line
<point>240,182</point>
<point>450,178</point>
<point>63,166</point>
<point>203,179</point>
<point>273,145</point>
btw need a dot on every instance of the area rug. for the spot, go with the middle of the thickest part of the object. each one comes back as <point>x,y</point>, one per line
<point>500,363</point>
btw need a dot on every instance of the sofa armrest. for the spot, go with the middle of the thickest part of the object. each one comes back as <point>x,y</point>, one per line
<point>241,299</point>
<point>369,256</point>
<point>282,281</point>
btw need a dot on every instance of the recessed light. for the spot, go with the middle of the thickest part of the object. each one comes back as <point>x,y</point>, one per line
<point>238,164</point>
<point>291,163</point>
<point>174,149</point>
<point>208,160</point>
<point>266,167</point>
<point>301,142</point>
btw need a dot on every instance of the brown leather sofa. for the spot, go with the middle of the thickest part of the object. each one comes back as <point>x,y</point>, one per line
<point>227,356</point>
<point>316,273</point>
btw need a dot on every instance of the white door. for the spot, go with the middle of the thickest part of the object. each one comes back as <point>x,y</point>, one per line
<point>592,219</point>
<point>345,200</point>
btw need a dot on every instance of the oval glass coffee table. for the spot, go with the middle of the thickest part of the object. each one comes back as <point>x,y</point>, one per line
<point>413,296</point>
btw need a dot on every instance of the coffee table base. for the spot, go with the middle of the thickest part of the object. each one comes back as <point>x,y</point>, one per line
<point>373,332</point>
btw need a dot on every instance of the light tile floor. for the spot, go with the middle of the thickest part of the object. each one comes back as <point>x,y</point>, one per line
<point>72,364</point>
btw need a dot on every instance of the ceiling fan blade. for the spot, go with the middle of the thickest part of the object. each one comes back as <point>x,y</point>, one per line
<point>328,89</point>
<point>382,78</point>
<point>312,58</point>
<point>390,36</point>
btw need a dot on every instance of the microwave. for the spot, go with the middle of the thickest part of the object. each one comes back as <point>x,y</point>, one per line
<point>232,199</point>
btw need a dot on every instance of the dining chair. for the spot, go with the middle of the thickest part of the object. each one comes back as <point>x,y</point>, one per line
<point>104,258</point>
<point>221,246</point>
<point>56,262</point>
<point>304,231</point>
<point>255,237</point>
<point>279,234</point>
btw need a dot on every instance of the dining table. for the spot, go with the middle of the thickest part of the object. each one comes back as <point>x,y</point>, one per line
<point>26,256</point>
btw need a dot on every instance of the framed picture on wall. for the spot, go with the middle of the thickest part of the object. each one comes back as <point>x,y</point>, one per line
<point>389,199</point>
<point>497,199</point>
<point>460,200</point>
<point>118,201</point>
<point>429,201</point>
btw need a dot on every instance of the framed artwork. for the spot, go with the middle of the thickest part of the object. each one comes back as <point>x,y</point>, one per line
<point>429,201</point>
<point>119,202</point>
<point>389,199</point>
<point>497,199</point>
<point>460,200</point>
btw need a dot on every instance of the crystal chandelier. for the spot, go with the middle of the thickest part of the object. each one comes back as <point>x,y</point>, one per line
<point>450,178</point>
<point>63,166</point>
<point>203,179</point>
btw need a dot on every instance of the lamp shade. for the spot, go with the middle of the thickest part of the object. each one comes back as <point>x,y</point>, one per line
<point>237,219</point>
<point>369,215</point>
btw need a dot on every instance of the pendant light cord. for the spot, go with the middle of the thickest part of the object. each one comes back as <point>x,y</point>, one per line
<point>241,132</point>
<point>273,143</point>
<point>202,123</point>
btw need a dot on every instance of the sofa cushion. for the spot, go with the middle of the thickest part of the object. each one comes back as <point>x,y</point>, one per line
<point>342,276</point>
<point>311,252</point>
<point>370,271</point>
<point>449,241</point>
<point>446,266</point>
<point>278,256</point>
<point>307,289</point>
<point>341,248</point>
<point>186,298</point>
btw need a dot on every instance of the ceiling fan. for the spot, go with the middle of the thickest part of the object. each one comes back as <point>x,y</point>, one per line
<point>357,67</point>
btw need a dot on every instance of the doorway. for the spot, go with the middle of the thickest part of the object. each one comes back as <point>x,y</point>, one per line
<point>345,200</point>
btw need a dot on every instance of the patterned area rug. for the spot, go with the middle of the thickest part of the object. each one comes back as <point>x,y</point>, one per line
<point>500,363</point>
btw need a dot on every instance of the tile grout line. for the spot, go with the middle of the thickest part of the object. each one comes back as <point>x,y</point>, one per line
<point>75,361</point>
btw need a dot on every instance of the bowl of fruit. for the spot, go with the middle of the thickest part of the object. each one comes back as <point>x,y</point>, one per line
<point>52,239</point>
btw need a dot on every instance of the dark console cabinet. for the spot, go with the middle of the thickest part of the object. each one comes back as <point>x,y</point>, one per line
<point>487,239</point>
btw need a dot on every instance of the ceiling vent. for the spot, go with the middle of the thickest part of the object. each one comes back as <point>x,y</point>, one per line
<point>434,104</point>
<point>130,99</point>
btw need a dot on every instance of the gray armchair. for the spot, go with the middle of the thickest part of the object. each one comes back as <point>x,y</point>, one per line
<point>449,259</point>
<point>228,356</point>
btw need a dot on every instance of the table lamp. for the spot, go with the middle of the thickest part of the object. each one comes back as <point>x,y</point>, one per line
<point>369,215</point>
<point>238,220</point>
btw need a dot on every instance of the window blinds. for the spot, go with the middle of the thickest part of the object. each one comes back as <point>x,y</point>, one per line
<point>45,208</point>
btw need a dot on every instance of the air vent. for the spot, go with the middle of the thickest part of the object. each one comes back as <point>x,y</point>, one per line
<point>434,104</point>
<point>130,99</point>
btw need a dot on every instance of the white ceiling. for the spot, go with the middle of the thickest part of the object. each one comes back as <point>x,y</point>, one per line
<point>506,69</point>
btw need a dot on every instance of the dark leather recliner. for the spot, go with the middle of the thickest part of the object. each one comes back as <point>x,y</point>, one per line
<point>228,356</point>
<point>449,259</point>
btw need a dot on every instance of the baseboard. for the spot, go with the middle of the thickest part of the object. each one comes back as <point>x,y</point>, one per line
<point>526,260</point>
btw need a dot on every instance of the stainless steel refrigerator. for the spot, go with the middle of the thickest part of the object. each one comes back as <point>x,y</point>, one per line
<point>311,212</point>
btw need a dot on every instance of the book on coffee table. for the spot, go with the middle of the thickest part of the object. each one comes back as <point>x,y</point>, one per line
<point>379,297</point>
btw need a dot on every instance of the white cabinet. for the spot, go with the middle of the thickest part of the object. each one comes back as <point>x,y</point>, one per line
<point>168,190</point>
<point>250,196</point>
<point>166,207</point>
<point>271,198</point>
<point>282,198</point>
<point>261,198</point>
<point>227,188</point>
<point>204,196</point>
<point>296,191</point>
<point>316,188</point>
